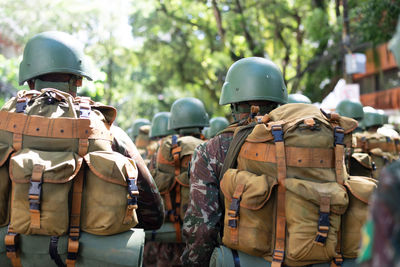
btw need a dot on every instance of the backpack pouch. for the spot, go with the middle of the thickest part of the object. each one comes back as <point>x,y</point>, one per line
<point>248,224</point>
<point>5,151</point>
<point>109,194</point>
<point>41,182</point>
<point>313,213</point>
<point>360,190</point>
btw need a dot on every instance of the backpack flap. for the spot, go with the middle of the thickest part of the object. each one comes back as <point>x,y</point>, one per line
<point>360,191</point>
<point>5,152</point>
<point>248,224</point>
<point>110,194</point>
<point>41,182</point>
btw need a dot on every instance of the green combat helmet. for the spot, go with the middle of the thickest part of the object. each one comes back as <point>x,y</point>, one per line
<point>216,125</point>
<point>298,98</point>
<point>188,115</point>
<point>53,52</point>
<point>351,109</point>
<point>372,118</point>
<point>136,126</point>
<point>159,125</point>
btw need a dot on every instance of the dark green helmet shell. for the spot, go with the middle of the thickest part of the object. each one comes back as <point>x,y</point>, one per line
<point>371,118</point>
<point>216,125</point>
<point>188,112</point>
<point>137,124</point>
<point>351,109</point>
<point>252,79</point>
<point>159,125</point>
<point>53,52</point>
<point>298,98</point>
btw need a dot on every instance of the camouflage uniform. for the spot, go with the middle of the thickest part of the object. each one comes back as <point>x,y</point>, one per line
<point>202,222</point>
<point>382,231</point>
<point>150,210</point>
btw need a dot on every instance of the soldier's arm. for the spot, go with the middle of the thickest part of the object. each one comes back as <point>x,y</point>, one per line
<point>150,210</point>
<point>202,222</point>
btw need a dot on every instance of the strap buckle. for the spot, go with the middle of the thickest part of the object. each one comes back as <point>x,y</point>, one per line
<point>277,132</point>
<point>339,135</point>
<point>21,105</point>
<point>278,255</point>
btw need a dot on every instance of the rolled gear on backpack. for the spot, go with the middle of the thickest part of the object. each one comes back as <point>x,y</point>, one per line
<point>292,165</point>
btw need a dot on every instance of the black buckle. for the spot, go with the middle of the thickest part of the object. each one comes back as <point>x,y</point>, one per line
<point>132,187</point>
<point>13,248</point>
<point>338,260</point>
<point>35,190</point>
<point>278,255</point>
<point>339,135</point>
<point>388,139</point>
<point>235,204</point>
<point>20,106</point>
<point>174,139</point>
<point>277,133</point>
<point>72,256</point>
<point>233,223</point>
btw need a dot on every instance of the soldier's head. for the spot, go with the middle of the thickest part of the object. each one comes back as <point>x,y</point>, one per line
<point>372,119</point>
<point>217,124</point>
<point>54,60</point>
<point>298,98</point>
<point>253,81</point>
<point>188,116</point>
<point>351,109</point>
<point>137,124</point>
<point>159,125</point>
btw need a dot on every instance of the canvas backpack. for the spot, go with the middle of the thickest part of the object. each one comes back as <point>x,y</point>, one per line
<point>171,176</point>
<point>382,149</point>
<point>288,197</point>
<point>59,174</point>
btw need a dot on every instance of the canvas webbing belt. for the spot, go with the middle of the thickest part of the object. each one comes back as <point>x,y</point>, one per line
<point>11,241</point>
<point>37,126</point>
<point>388,146</point>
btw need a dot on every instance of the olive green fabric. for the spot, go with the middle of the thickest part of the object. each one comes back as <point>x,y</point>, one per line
<point>125,249</point>
<point>105,201</point>
<point>394,44</point>
<point>305,128</point>
<point>351,109</point>
<point>166,234</point>
<point>136,126</point>
<point>53,52</point>
<point>159,125</point>
<point>298,98</point>
<point>216,125</point>
<point>251,79</point>
<point>223,257</point>
<point>164,173</point>
<point>188,112</point>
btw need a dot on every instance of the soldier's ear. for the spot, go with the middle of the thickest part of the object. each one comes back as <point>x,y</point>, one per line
<point>31,84</point>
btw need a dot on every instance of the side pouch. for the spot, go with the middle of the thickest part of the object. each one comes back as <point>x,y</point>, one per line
<point>41,182</point>
<point>360,190</point>
<point>183,180</point>
<point>248,223</point>
<point>313,212</point>
<point>109,194</point>
<point>5,152</point>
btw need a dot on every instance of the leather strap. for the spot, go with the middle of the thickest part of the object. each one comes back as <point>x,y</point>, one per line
<point>34,195</point>
<point>338,259</point>
<point>11,242</point>
<point>233,213</point>
<point>17,141</point>
<point>339,154</point>
<point>75,218</point>
<point>323,220</point>
<point>280,232</point>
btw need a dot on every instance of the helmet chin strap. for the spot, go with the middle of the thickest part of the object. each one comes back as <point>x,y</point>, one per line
<point>68,87</point>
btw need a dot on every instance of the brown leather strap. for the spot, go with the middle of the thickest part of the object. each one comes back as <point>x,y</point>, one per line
<point>339,162</point>
<point>233,213</point>
<point>75,218</point>
<point>83,147</point>
<point>338,259</point>
<point>168,203</point>
<point>303,157</point>
<point>280,232</point>
<point>176,151</point>
<point>17,141</point>
<point>34,195</point>
<point>12,249</point>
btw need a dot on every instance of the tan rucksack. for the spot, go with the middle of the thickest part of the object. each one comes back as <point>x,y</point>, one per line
<point>288,197</point>
<point>171,176</point>
<point>382,149</point>
<point>56,151</point>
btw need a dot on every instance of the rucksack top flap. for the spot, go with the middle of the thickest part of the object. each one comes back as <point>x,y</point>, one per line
<point>364,159</point>
<point>187,144</point>
<point>109,112</point>
<point>112,167</point>
<point>5,152</point>
<point>58,167</point>
<point>361,187</point>
<point>312,191</point>
<point>260,134</point>
<point>257,188</point>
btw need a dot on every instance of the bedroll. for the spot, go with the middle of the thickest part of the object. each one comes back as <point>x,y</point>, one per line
<point>171,177</point>
<point>291,165</point>
<point>58,171</point>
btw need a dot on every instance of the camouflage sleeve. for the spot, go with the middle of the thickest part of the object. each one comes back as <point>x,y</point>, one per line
<point>385,216</point>
<point>202,222</point>
<point>150,210</point>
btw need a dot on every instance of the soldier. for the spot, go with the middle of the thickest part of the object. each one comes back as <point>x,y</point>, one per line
<point>216,125</point>
<point>250,81</point>
<point>380,244</point>
<point>298,98</point>
<point>351,109</point>
<point>140,135</point>
<point>56,60</point>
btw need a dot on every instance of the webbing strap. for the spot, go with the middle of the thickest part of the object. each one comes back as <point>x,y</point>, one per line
<point>178,212</point>
<point>339,154</point>
<point>176,152</point>
<point>75,218</point>
<point>133,192</point>
<point>323,220</point>
<point>53,251</point>
<point>280,232</point>
<point>236,259</point>
<point>34,195</point>
<point>17,141</point>
<point>11,242</point>
<point>338,259</point>
<point>233,213</point>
